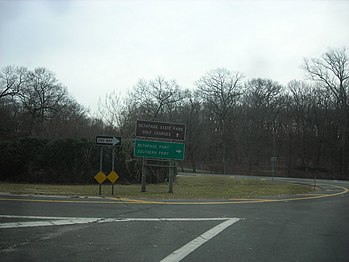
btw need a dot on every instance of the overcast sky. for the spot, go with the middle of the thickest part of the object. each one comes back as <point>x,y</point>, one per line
<point>95,47</point>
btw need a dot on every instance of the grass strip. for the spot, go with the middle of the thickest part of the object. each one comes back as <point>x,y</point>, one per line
<point>185,187</point>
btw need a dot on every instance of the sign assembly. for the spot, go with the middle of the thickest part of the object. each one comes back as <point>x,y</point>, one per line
<point>158,149</point>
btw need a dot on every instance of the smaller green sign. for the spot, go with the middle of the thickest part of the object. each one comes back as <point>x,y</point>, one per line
<point>157,149</point>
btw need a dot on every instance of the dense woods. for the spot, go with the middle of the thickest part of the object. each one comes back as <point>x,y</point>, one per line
<point>235,125</point>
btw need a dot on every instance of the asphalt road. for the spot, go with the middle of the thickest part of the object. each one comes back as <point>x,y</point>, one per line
<point>289,228</point>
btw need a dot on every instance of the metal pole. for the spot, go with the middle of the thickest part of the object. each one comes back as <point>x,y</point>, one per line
<point>101,159</point>
<point>144,177</point>
<point>170,178</point>
<point>100,169</point>
<point>273,159</point>
<point>112,168</point>
<point>113,159</point>
<point>314,183</point>
<point>272,169</point>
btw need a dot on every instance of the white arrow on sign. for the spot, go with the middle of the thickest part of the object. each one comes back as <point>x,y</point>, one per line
<point>115,141</point>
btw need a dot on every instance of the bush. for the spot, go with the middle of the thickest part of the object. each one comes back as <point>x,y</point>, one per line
<point>41,161</point>
<point>65,161</point>
<point>69,161</point>
<point>16,158</point>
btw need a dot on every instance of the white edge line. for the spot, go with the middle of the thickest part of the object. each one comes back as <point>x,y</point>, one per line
<point>188,248</point>
<point>120,219</point>
<point>57,221</point>
<point>103,220</point>
<point>42,217</point>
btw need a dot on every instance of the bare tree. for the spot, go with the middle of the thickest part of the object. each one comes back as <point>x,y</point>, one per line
<point>11,80</point>
<point>264,99</point>
<point>110,110</point>
<point>196,141</point>
<point>42,97</point>
<point>154,98</point>
<point>220,90</point>
<point>36,103</point>
<point>70,122</point>
<point>301,121</point>
<point>331,71</point>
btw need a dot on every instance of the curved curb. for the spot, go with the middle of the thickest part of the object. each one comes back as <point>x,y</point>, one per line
<point>344,190</point>
<point>232,201</point>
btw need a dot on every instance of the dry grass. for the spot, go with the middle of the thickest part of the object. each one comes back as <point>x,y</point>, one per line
<point>185,187</point>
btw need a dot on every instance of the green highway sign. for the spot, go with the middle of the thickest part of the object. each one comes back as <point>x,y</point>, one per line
<point>157,149</point>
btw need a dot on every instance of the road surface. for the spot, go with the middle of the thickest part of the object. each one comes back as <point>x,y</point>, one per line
<point>287,228</point>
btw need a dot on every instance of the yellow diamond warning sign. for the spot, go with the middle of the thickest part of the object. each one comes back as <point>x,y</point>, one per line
<point>100,177</point>
<point>113,176</point>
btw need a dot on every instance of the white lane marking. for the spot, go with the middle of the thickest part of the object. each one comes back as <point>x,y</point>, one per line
<point>162,219</point>
<point>188,248</point>
<point>59,221</point>
<point>41,217</point>
<point>56,222</point>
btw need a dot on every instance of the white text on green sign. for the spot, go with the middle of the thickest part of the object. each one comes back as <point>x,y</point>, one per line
<point>160,150</point>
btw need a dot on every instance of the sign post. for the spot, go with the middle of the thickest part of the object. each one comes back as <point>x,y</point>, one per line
<point>144,175</point>
<point>100,170</point>
<point>273,160</point>
<point>113,176</point>
<point>100,177</point>
<point>147,149</point>
<point>112,168</point>
<point>170,177</point>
